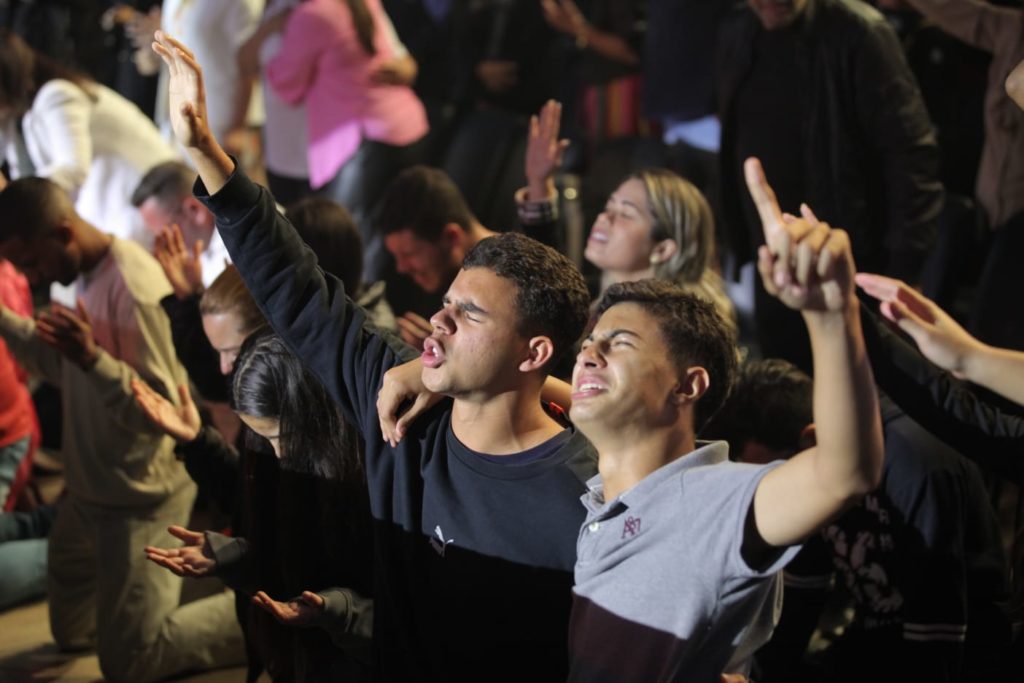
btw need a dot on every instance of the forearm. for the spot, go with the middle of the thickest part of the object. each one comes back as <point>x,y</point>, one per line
<point>1001,370</point>
<point>608,45</point>
<point>214,466</point>
<point>347,617</point>
<point>212,163</point>
<point>846,416</point>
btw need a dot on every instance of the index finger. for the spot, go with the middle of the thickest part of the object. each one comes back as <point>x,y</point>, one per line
<point>764,198</point>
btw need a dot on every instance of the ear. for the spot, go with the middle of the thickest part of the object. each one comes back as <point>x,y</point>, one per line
<point>64,232</point>
<point>196,212</point>
<point>452,235</point>
<point>693,384</point>
<point>540,350</point>
<point>663,251</point>
<point>808,437</point>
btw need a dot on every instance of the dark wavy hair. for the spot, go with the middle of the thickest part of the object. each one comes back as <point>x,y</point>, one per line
<point>269,381</point>
<point>551,295</point>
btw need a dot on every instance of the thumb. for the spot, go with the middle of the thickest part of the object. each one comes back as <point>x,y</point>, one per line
<point>197,248</point>
<point>190,537</point>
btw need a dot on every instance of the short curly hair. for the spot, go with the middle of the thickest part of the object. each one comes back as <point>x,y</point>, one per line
<point>551,294</point>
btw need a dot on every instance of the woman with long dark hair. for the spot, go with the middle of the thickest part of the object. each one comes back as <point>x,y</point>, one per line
<point>59,124</point>
<point>301,519</point>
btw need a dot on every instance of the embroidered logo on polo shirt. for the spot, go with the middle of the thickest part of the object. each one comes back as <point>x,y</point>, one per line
<point>439,544</point>
<point>631,527</point>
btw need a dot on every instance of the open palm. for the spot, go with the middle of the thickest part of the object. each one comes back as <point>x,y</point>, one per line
<point>186,93</point>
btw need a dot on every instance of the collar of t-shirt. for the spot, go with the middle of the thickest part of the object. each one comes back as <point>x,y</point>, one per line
<point>530,455</point>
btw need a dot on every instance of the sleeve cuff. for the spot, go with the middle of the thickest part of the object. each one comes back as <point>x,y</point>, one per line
<point>532,212</point>
<point>226,550</point>
<point>233,201</point>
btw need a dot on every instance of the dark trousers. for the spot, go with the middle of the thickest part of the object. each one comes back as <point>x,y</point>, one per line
<point>359,187</point>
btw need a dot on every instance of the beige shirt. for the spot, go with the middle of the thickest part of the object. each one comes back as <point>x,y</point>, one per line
<point>999,31</point>
<point>113,456</point>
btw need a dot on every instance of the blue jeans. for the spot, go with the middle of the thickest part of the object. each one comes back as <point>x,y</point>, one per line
<point>23,548</point>
<point>11,456</point>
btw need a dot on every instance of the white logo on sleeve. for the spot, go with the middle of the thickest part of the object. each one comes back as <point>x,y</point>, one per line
<point>439,544</point>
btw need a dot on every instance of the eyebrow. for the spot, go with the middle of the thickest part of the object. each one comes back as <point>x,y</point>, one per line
<point>616,333</point>
<point>464,306</point>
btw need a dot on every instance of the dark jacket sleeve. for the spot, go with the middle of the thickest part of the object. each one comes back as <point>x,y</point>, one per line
<point>234,565</point>
<point>306,307</point>
<point>895,122</point>
<point>193,348</point>
<point>213,465</point>
<point>942,404</point>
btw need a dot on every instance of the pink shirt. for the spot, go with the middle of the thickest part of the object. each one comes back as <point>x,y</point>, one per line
<point>322,65</point>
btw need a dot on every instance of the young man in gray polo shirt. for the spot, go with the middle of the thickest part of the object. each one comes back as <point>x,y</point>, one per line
<point>678,560</point>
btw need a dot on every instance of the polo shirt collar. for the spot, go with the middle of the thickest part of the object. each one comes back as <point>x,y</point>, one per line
<point>706,453</point>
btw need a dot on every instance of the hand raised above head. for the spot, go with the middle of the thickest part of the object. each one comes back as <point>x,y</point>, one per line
<point>806,264</point>
<point>544,150</point>
<point>186,92</point>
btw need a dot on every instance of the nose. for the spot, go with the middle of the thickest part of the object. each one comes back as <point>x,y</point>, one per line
<point>442,321</point>
<point>590,356</point>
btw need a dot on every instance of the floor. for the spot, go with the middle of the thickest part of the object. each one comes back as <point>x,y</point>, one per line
<point>28,655</point>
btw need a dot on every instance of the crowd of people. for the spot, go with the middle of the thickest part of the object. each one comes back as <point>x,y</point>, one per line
<point>308,279</point>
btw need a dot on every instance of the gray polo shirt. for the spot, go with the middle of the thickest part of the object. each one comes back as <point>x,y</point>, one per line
<point>662,592</point>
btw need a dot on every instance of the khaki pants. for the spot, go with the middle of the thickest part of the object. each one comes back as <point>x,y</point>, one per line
<point>104,592</point>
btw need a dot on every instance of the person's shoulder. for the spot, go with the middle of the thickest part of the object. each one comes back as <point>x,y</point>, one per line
<point>140,273</point>
<point>58,91</point>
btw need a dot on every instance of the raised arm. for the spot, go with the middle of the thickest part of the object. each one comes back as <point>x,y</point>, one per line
<point>305,306</point>
<point>943,341</point>
<point>809,267</point>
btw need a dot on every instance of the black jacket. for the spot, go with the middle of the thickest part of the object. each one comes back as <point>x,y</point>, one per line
<point>871,158</point>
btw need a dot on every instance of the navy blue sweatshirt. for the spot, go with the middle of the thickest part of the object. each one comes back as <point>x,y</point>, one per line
<point>474,558</point>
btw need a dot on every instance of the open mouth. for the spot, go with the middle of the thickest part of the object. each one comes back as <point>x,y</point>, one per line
<point>433,353</point>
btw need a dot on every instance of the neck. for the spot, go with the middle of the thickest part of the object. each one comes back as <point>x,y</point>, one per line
<point>94,246</point>
<point>625,457</point>
<point>476,233</point>
<point>503,424</point>
<point>611,277</point>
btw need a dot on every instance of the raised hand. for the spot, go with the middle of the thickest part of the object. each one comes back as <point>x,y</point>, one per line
<point>544,151</point>
<point>400,385</point>
<point>69,333</point>
<point>1015,84</point>
<point>302,611</point>
<point>939,337</point>
<point>194,559</point>
<point>806,264</point>
<point>180,423</point>
<point>182,267</point>
<point>186,92</point>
